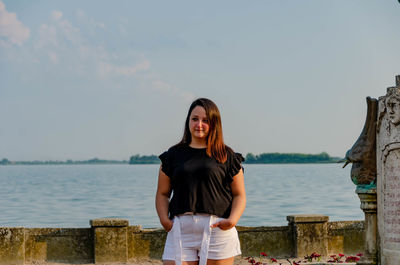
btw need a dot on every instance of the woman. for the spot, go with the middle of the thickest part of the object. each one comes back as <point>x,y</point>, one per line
<point>205,178</point>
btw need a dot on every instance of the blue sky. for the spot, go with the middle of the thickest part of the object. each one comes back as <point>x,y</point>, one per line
<point>109,79</point>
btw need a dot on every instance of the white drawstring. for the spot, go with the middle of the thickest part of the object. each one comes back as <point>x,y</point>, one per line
<point>206,240</point>
<point>176,231</point>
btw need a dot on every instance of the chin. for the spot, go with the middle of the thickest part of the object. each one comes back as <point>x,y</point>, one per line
<point>200,136</point>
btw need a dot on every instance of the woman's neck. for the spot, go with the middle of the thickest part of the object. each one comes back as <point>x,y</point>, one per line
<point>198,144</point>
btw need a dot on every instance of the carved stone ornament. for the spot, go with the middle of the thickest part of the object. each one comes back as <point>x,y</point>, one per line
<point>388,169</point>
<point>363,153</point>
<point>389,107</point>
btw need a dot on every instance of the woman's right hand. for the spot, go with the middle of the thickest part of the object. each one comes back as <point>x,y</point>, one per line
<point>167,224</point>
<point>162,200</point>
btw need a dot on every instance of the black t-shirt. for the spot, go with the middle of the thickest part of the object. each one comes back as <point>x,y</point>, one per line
<point>200,184</point>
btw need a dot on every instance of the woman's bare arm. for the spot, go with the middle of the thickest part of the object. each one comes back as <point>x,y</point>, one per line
<point>162,199</point>
<point>238,203</point>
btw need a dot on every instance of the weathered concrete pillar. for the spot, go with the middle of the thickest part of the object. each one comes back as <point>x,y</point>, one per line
<point>12,245</point>
<point>310,234</point>
<point>369,207</point>
<point>110,240</point>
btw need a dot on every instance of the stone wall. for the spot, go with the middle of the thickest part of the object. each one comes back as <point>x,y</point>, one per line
<point>346,237</point>
<point>274,240</point>
<point>113,240</point>
<point>58,245</point>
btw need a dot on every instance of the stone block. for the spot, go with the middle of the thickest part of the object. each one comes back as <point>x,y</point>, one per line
<point>12,245</point>
<point>67,245</point>
<point>145,243</point>
<point>309,233</point>
<point>307,218</point>
<point>346,237</point>
<point>275,241</point>
<point>109,222</point>
<point>110,240</point>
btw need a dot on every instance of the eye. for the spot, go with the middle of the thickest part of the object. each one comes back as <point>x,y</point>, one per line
<point>205,121</point>
<point>194,119</point>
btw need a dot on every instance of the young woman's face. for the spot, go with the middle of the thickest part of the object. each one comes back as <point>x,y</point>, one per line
<point>198,123</point>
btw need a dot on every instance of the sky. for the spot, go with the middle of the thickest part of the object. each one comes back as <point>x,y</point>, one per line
<point>110,79</point>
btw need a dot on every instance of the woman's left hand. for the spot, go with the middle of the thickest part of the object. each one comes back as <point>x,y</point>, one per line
<point>224,224</point>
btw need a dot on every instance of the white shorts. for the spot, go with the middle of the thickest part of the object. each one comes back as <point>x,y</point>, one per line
<point>194,240</point>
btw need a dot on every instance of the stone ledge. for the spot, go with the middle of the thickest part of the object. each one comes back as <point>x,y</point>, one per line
<point>307,218</point>
<point>346,225</point>
<point>261,228</point>
<point>58,231</point>
<point>109,222</point>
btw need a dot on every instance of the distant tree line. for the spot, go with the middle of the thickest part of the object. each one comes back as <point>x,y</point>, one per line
<point>264,158</point>
<point>138,159</point>
<point>5,161</point>
<point>281,158</point>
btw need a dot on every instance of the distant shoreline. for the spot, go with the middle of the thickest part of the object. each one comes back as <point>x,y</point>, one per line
<point>77,164</point>
<point>264,158</point>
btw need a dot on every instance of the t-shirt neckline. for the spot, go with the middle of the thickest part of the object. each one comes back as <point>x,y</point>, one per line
<point>194,148</point>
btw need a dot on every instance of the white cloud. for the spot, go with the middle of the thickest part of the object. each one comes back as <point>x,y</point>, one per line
<point>167,88</point>
<point>56,15</point>
<point>107,68</point>
<point>160,85</point>
<point>56,33</point>
<point>70,32</point>
<point>11,29</point>
<point>47,36</point>
<point>63,47</point>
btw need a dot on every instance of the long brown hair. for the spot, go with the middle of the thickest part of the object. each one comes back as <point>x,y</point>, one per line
<point>215,140</point>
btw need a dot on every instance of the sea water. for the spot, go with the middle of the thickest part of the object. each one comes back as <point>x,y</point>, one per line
<point>71,195</point>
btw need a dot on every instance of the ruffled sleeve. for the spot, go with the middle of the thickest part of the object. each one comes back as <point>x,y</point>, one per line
<point>166,163</point>
<point>234,165</point>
